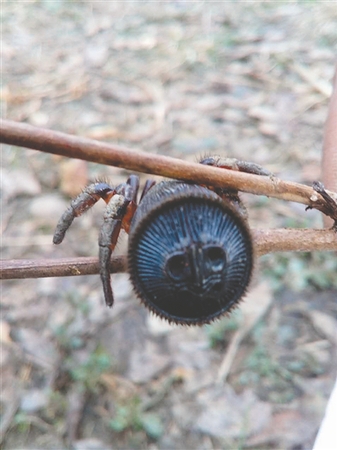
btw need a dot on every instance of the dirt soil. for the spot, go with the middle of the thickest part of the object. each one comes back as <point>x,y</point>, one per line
<point>185,79</point>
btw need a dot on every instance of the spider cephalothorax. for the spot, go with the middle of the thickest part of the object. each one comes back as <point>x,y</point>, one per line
<point>190,254</point>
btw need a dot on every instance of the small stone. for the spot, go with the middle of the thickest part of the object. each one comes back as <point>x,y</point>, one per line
<point>34,400</point>
<point>90,444</point>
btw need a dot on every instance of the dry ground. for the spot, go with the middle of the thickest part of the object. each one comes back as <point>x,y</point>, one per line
<point>251,80</point>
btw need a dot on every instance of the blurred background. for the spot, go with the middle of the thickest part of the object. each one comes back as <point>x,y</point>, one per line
<point>185,79</point>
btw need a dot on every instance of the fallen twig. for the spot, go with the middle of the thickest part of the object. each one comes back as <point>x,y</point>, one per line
<point>54,142</point>
<point>265,241</point>
<point>61,267</point>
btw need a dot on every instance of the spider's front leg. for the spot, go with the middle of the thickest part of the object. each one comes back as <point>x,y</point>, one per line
<point>84,201</point>
<point>118,214</point>
<point>121,205</point>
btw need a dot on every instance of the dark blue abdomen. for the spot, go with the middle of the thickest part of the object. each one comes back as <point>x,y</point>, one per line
<point>190,253</point>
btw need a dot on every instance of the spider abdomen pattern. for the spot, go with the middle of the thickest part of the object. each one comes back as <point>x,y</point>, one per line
<point>190,253</point>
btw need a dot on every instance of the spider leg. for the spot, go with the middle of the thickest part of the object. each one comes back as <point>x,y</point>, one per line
<point>253,168</point>
<point>130,191</point>
<point>84,201</point>
<point>148,185</point>
<point>112,223</point>
<point>236,164</point>
<point>133,181</point>
<point>118,213</point>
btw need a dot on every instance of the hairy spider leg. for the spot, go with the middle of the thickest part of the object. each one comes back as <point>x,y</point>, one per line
<point>119,212</point>
<point>232,195</point>
<point>84,201</point>
<point>235,164</point>
<point>121,205</point>
<point>148,185</point>
<point>131,188</point>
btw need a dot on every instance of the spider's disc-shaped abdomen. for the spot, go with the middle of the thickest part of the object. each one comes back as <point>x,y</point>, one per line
<point>190,253</point>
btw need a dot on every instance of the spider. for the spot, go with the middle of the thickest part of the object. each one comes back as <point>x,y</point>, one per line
<point>190,252</point>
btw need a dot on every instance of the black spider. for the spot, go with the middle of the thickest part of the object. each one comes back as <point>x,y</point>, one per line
<point>190,254</point>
